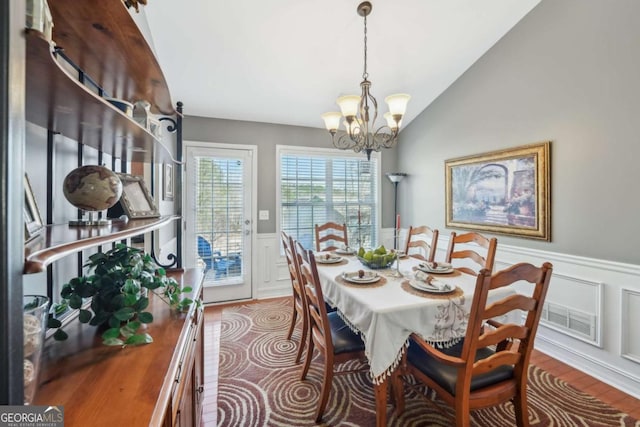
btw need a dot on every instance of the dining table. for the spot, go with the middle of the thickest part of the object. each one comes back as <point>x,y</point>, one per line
<point>386,311</point>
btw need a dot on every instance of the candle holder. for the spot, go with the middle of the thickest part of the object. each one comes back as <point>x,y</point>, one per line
<point>397,272</point>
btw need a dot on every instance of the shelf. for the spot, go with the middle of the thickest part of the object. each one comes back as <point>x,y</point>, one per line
<point>101,37</point>
<point>59,102</point>
<point>59,240</point>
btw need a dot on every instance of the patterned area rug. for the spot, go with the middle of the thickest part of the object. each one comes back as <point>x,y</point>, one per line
<point>259,385</point>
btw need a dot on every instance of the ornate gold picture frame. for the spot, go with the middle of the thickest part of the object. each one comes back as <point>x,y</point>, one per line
<point>505,192</point>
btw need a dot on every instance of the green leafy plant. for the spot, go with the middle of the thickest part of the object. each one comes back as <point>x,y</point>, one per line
<point>117,284</point>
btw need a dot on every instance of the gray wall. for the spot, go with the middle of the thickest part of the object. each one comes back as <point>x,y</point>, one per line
<point>266,137</point>
<point>569,72</point>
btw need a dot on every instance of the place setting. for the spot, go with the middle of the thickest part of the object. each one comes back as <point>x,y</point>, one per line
<point>435,267</point>
<point>330,259</point>
<point>345,251</point>
<point>426,285</point>
<point>361,278</point>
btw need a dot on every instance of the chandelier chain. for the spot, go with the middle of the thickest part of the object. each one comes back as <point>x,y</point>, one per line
<point>365,75</point>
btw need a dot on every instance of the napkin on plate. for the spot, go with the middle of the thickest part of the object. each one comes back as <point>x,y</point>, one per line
<point>431,281</point>
<point>436,265</point>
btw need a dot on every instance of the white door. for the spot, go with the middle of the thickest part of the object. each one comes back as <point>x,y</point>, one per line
<point>219,194</point>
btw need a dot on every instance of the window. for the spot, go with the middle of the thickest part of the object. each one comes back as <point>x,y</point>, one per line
<point>317,186</point>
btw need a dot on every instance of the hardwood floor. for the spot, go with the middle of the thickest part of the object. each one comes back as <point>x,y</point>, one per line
<point>578,379</point>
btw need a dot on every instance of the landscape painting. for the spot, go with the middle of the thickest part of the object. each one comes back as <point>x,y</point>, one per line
<point>505,192</point>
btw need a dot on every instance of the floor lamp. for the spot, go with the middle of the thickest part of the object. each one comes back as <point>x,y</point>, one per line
<point>395,178</point>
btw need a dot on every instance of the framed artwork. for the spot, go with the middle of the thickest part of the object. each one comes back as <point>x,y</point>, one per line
<point>32,219</point>
<point>136,201</point>
<point>504,192</point>
<point>167,182</point>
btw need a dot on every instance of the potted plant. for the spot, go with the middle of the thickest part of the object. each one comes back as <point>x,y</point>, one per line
<point>117,284</point>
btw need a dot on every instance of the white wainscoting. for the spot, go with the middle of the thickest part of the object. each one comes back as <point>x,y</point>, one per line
<point>604,294</point>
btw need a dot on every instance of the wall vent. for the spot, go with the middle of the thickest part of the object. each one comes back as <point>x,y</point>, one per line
<point>572,322</point>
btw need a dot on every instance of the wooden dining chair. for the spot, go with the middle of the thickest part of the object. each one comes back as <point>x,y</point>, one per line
<point>299,303</point>
<point>488,245</point>
<point>423,240</point>
<point>328,333</point>
<point>333,233</point>
<point>490,365</point>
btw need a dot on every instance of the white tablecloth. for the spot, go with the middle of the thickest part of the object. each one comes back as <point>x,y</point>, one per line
<point>386,315</point>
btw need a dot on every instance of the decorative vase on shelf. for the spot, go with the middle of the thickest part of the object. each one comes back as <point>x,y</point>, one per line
<point>35,309</point>
<point>92,188</point>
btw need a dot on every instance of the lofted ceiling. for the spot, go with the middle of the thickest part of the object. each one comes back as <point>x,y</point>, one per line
<point>286,61</point>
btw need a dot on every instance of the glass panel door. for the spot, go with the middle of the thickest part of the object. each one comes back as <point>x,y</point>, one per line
<point>219,220</point>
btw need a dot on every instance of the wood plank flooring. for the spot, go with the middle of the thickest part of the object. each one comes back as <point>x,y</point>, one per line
<point>578,379</point>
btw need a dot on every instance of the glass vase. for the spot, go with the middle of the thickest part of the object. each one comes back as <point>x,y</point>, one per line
<point>35,310</point>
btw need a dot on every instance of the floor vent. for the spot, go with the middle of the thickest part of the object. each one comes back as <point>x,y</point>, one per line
<point>577,323</point>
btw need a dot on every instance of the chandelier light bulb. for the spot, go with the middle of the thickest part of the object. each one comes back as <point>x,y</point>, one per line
<point>332,120</point>
<point>349,105</point>
<point>397,103</point>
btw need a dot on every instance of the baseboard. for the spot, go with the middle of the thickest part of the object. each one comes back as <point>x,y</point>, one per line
<point>607,373</point>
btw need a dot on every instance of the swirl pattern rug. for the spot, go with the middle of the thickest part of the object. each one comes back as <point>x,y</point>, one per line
<point>259,385</point>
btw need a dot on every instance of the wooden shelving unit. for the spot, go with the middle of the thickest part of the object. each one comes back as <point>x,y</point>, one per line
<point>60,240</point>
<point>59,102</point>
<point>102,39</point>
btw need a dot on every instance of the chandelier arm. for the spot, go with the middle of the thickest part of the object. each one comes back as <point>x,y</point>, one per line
<point>385,139</point>
<point>344,141</point>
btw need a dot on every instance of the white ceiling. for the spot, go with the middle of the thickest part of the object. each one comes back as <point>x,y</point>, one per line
<point>286,61</point>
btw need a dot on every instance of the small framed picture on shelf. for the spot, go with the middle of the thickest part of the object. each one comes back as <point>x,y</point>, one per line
<point>33,224</point>
<point>136,201</point>
<point>167,182</point>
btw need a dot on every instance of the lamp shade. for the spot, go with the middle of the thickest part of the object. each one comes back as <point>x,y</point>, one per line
<point>391,122</point>
<point>396,176</point>
<point>332,120</point>
<point>398,103</point>
<point>349,104</point>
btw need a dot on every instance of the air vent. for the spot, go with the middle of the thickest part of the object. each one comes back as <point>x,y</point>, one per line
<point>573,322</point>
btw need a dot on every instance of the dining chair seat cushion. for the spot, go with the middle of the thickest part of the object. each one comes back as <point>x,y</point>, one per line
<point>344,339</point>
<point>446,375</point>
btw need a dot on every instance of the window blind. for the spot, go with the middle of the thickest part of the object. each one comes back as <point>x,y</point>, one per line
<point>316,188</point>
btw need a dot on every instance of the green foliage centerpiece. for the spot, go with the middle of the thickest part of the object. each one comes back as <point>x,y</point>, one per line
<point>118,284</point>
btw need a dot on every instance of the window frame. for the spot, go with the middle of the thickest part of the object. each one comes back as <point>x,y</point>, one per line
<point>327,152</point>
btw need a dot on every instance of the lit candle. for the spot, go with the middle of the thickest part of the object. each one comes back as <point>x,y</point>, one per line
<point>398,222</point>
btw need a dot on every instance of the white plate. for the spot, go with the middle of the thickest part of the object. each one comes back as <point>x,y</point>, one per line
<point>437,270</point>
<point>332,260</point>
<point>422,286</point>
<point>369,277</point>
<point>345,252</point>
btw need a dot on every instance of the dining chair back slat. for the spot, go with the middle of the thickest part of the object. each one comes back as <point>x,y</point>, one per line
<point>299,302</point>
<point>421,243</point>
<point>333,233</point>
<point>485,261</point>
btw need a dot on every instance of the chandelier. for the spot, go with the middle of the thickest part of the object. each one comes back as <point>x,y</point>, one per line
<point>359,122</point>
